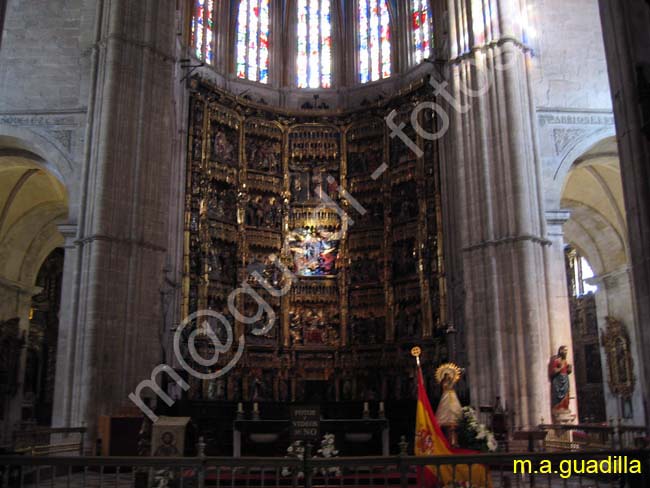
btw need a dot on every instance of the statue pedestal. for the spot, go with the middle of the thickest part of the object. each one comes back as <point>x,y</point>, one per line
<point>563,417</point>
<point>451,434</point>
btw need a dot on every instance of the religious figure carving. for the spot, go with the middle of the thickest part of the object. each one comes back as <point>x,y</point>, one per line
<point>167,445</point>
<point>347,389</point>
<point>220,389</point>
<point>258,388</point>
<point>404,258</point>
<point>265,212</point>
<point>222,149</point>
<point>558,372</point>
<point>616,342</point>
<point>365,270</point>
<point>300,187</point>
<point>449,408</point>
<point>283,390</point>
<point>295,327</point>
<point>263,155</point>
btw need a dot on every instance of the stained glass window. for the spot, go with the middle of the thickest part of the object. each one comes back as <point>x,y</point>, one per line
<point>203,30</point>
<point>253,40</point>
<point>374,40</point>
<point>314,58</point>
<point>421,28</point>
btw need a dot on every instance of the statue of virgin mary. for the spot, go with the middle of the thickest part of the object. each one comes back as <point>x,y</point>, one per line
<point>449,409</point>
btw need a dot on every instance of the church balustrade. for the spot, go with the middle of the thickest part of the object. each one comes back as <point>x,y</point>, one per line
<point>505,470</point>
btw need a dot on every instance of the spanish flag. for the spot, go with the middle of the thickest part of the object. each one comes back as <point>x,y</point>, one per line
<point>430,441</point>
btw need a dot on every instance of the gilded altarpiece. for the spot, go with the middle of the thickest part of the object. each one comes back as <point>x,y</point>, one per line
<point>352,214</point>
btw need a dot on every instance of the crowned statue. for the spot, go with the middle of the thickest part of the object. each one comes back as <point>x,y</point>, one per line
<point>449,409</point>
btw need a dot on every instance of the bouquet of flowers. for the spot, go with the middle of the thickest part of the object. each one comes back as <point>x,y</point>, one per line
<point>295,450</point>
<point>474,435</point>
<point>327,450</point>
<point>162,478</point>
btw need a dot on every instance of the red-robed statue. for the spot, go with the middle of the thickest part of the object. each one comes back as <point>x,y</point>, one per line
<point>558,373</point>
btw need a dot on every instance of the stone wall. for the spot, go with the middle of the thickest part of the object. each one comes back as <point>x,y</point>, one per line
<point>573,113</point>
<point>90,88</point>
<point>570,87</point>
<point>627,42</point>
<point>45,59</point>
<point>568,66</point>
<point>45,55</point>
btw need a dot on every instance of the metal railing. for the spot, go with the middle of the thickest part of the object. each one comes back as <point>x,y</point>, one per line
<point>594,436</point>
<point>396,471</point>
<point>47,441</point>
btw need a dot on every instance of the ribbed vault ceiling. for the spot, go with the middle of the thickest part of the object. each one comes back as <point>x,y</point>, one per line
<point>32,203</point>
<point>593,193</point>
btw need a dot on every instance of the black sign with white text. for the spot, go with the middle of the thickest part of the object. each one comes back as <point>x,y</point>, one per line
<point>305,423</point>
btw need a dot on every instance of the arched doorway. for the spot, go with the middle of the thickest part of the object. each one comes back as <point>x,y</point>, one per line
<point>600,289</point>
<point>40,365</point>
<point>33,203</point>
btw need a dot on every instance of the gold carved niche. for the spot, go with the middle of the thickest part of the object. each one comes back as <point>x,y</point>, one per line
<point>616,342</point>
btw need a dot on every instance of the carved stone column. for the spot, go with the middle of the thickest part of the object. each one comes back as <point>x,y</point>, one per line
<point>499,211</point>
<point>558,294</point>
<point>115,311</point>
<point>68,330</point>
<point>627,46</point>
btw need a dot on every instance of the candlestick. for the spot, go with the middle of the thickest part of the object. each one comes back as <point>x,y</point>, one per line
<point>240,411</point>
<point>256,411</point>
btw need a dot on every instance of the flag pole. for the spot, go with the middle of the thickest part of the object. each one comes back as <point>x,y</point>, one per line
<point>416,352</point>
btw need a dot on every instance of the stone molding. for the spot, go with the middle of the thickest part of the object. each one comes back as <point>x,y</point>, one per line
<point>484,47</point>
<point>19,288</point>
<point>604,278</point>
<point>117,240</point>
<point>145,46</point>
<point>57,127</point>
<point>507,240</point>
<point>557,217</point>
<point>69,232</point>
<point>569,126</point>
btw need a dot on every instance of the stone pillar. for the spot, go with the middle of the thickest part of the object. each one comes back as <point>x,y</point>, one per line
<point>558,293</point>
<point>2,19</point>
<point>627,46</point>
<point>500,216</point>
<point>111,339</point>
<point>68,331</point>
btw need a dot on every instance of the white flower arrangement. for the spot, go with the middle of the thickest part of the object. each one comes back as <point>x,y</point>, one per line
<point>295,450</point>
<point>162,478</point>
<point>474,435</point>
<point>327,450</point>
